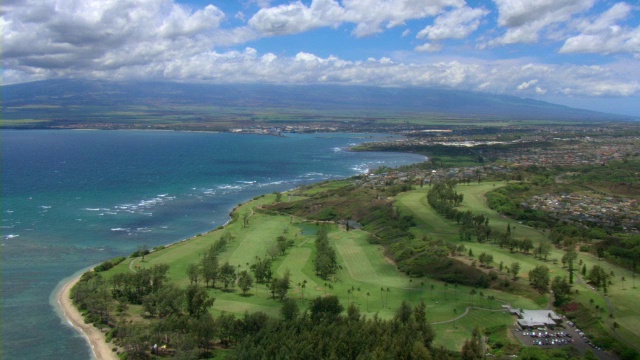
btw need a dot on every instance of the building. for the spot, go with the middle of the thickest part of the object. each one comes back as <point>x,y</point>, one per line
<point>536,318</point>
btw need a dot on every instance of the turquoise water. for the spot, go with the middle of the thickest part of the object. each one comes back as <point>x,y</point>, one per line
<point>71,199</point>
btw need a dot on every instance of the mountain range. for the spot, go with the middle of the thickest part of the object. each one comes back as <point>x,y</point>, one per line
<point>59,97</point>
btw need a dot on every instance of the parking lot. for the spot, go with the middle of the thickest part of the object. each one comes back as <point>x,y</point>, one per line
<point>564,335</point>
<point>545,337</point>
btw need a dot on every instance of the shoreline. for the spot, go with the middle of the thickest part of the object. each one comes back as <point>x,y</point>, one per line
<point>71,316</point>
<point>100,349</point>
<point>93,336</point>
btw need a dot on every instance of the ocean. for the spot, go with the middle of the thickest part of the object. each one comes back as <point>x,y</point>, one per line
<point>72,199</point>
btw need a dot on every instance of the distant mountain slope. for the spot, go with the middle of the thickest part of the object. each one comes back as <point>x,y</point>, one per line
<point>442,102</point>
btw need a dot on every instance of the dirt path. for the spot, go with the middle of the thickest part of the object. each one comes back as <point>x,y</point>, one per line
<point>99,346</point>
<point>131,267</point>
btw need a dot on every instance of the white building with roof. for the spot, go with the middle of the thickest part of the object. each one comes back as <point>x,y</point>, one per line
<point>537,318</point>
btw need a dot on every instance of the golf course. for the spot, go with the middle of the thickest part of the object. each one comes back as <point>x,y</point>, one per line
<point>370,280</point>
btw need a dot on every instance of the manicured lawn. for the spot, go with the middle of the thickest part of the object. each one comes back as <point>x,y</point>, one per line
<point>372,281</point>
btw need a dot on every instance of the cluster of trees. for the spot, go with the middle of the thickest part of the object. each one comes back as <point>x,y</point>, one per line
<point>508,200</point>
<point>209,269</point>
<point>103,300</point>
<point>622,248</point>
<point>280,285</point>
<point>326,263</point>
<point>178,324</point>
<point>539,278</point>
<point>561,290</point>
<point>506,240</point>
<point>599,277</point>
<point>133,287</point>
<point>109,264</point>
<point>444,199</point>
<point>429,257</point>
<point>485,259</point>
<point>324,332</point>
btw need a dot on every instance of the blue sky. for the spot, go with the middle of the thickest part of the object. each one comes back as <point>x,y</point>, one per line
<point>582,53</point>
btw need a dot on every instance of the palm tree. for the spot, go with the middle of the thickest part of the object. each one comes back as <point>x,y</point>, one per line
<point>472,292</point>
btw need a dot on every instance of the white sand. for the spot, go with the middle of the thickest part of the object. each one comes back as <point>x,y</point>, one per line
<point>101,349</point>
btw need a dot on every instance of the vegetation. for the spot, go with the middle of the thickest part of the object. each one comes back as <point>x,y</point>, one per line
<point>287,270</point>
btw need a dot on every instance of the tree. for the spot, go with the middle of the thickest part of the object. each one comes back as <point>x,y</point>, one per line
<point>598,277</point>
<point>198,301</point>
<point>210,269</point>
<point>420,316</point>
<point>543,250</point>
<point>485,259</point>
<point>227,274</point>
<point>282,244</point>
<point>143,250</point>
<point>167,301</point>
<point>561,290</point>
<point>526,245</point>
<point>158,276</point>
<point>472,348</point>
<point>204,330</point>
<point>325,308</point>
<point>514,270</point>
<point>245,281</point>
<point>262,270</point>
<point>539,278</point>
<point>193,272</point>
<point>279,286</point>
<point>289,310</point>
<point>569,258</point>
<point>404,312</point>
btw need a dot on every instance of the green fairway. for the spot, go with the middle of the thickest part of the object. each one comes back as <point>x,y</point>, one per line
<point>371,281</point>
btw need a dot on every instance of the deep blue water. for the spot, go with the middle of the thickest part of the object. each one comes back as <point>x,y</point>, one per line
<point>71,199</point>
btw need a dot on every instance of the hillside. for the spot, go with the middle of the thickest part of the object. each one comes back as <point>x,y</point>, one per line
<point>79,103</point>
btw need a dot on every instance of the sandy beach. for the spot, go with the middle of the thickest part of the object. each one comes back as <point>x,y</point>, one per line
<point>95,337</point>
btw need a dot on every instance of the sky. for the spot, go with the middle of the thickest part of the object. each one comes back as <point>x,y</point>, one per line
<point>580,53</point>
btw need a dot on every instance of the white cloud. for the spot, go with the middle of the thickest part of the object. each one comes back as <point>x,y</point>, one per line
<point>605,35</point>
<point>527,84</point>
<point>525,19</point>
<point>369,16</point>
<point>456,24</point>
<point>95,34</point>
<point>296,17</point>
<point>428,47</point>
